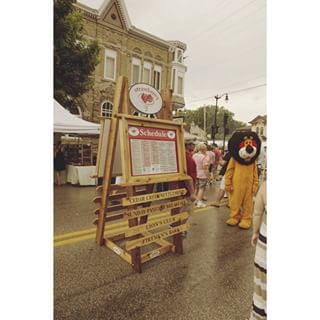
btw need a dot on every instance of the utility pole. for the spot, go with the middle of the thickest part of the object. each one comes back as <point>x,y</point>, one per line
<point>225,129</point>
<point>214,127</point>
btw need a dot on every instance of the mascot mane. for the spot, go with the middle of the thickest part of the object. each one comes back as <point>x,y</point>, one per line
<point>244,146</point>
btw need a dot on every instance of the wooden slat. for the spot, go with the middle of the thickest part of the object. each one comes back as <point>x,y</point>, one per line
<point>153,197</point>
<point>97,199</point>
<point>155,253</point>
<point>135,213</point>
<point>156,236</point>
<point>161,242</point>
<point>156,224</point>
<point>143,180</point>
<point>145,119</point>
<point>119,251</point>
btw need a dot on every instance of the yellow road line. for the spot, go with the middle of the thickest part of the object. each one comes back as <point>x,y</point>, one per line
<point>110,229</point>
<point>71,234</point>
<point>73,240</point>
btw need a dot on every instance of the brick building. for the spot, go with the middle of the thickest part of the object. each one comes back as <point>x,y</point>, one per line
<point>131,52</point>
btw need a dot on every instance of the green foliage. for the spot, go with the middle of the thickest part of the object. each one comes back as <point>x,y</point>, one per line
<point>197,116</point>
<point>75,59</point>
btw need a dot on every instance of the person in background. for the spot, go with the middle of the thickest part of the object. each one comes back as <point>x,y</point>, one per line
<point>217,154</point>
<point>262,164</point>
<point>259,241</point>
<point>189,184</point>
<point>191,168</point>
<point>224,163</point>
<point>202,162</point>
<point>212,162</point>
<point>59,162</point>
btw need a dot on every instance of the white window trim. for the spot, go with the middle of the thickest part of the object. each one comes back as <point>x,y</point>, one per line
<point>181,74</point>
<point>179,51</point>
<point>147,65</point>
<point>158,68</point>
<point>136,62</point>
<point>101,108</point>
<point>112,54</point>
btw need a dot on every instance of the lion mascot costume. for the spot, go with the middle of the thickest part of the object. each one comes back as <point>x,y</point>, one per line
<point>241,177</point>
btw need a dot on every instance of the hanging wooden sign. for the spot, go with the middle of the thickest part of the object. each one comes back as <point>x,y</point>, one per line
<point>153,196</point>
<point>145,98</point>
<point>156,224</point>
<point>135,213</point>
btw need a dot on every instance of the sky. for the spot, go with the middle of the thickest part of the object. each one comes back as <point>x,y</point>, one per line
<point>226,48</point>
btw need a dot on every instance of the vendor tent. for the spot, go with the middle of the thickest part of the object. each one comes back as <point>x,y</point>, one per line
<point>65,122</point>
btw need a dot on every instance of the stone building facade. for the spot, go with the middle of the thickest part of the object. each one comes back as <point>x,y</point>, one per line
<point>131,52</point>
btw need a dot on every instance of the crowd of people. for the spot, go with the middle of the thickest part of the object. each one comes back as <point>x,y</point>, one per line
<point>205,164</point>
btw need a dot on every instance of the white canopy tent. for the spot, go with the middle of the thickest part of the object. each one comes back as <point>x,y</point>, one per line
<point>65,122</point>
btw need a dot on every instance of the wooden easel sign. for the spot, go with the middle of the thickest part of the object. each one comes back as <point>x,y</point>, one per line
<point>151,151</point>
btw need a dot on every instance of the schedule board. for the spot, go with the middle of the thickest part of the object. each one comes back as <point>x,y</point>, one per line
<point>154,150</point>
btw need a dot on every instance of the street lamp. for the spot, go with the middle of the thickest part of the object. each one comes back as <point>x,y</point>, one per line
<point>214,128</point>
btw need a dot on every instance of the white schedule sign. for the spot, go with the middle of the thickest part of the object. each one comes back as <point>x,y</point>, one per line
<point>152,150</point>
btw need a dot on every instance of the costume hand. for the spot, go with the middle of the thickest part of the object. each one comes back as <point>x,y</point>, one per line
<point>254,239</point>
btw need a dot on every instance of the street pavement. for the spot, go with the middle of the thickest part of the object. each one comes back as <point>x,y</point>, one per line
<point>213,279</point>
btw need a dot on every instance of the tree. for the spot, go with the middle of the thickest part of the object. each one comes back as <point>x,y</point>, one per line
<point>75,58</point>
<point>197,116</point>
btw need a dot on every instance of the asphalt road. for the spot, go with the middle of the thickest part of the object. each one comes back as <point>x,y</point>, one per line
<point>213,279</point>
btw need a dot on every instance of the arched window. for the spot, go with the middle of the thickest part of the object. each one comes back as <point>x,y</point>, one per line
<point>106,109</point>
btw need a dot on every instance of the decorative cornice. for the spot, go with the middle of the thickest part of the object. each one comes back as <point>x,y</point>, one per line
<point>97,14</point>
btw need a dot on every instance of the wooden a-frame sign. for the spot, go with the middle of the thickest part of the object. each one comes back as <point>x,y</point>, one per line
<point>151,152</point>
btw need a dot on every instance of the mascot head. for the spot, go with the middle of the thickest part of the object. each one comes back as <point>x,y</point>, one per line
<point>244,146</point>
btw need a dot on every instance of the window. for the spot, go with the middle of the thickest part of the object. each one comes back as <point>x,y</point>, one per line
<point>147,72</point>
<point>180,56</point>
<point>257,130</point>
<point>180,85</point>
<point>110,64</point>
<point>261,131</point>
<point>106,109</point>
<point>157,77</point>
<point>136,70</point>
<point>177,81</point>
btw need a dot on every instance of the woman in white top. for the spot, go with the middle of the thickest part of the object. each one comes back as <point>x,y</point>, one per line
<point>202,161</point>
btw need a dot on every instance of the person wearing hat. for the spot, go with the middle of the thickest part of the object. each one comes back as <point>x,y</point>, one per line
<point>202,161</point>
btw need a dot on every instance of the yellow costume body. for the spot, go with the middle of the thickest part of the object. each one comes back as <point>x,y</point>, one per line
<point>241,182</point>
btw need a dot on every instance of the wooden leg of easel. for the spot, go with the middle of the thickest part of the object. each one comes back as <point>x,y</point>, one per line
<point>136,260</point>
<point>135,253</point>
<point>177,238</point>
<point>149,189</point>
<point>100,228</point>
